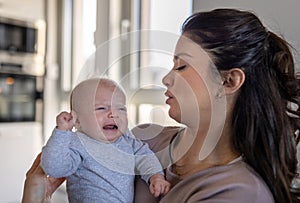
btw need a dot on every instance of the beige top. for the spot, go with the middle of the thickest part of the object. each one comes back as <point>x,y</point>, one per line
<point>234,182</point>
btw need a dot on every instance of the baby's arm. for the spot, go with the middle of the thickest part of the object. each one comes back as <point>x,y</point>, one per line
<point>150,169</point>
<point>59,158</point>
<point>158,185</point>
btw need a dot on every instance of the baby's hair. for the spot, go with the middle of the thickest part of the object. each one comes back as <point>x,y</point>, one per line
<point>95,83</point>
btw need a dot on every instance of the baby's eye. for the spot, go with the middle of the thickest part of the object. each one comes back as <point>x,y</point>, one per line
<point>122,109</point>
<point>180,68</point>
<point>102,108</point>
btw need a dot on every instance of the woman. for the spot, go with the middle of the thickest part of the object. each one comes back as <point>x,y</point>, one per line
<point>233,86</point>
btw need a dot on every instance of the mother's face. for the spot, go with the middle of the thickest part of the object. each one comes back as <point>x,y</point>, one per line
<point>192,84</point>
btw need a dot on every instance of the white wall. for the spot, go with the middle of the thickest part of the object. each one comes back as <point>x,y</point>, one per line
<point>279,16</point>
<point>168,15</point>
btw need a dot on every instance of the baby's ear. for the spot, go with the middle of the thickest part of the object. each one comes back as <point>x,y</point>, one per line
<point>74,115</point>
<point>74,119</point>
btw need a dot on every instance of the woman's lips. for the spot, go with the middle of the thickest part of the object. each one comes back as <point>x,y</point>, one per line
<point>169,97</point>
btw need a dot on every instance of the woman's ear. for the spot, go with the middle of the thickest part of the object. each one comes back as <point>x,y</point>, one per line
<point>233,80</point>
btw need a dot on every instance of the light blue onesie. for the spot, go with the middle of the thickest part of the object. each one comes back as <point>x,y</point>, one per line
<point>97,171</point>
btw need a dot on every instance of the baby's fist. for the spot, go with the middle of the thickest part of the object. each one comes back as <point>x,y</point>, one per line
<point>64,121</point>
<point>158,185</point>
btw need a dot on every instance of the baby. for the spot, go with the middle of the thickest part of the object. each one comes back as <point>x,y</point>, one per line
<point>101,157</point>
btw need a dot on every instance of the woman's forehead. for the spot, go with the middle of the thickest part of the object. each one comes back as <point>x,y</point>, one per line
<point>192,53</point>
<point>186,48</point>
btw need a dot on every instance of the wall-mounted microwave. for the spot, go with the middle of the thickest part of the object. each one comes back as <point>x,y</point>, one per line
<point>22,46</point>
<point>17,38</point>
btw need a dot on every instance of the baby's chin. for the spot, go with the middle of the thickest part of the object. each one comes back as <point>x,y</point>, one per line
<point>111,139</point>
<point>108,136</point>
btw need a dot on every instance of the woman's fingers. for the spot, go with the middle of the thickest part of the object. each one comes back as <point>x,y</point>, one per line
<point>35,165</point>
<point>38,186</point>
<point>35,183</point>
<point>53,184</point>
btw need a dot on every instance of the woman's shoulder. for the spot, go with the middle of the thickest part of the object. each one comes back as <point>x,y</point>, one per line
<point>236,182</point>
<point>158,137</point>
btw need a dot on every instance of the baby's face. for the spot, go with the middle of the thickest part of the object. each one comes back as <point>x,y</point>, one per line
<point>104,117</point>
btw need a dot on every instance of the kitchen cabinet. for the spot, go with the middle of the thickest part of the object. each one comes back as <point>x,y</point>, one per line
<point>29,9</point>
<point>19,144</point>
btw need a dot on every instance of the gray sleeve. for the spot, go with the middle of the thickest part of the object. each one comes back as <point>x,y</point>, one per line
<point>146,162</point>
<point>58,158</point>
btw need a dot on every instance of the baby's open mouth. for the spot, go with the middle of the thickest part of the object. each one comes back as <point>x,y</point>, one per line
<point>110,127</point>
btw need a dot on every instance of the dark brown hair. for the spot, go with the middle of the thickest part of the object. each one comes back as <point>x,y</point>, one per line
<point>263,124</point>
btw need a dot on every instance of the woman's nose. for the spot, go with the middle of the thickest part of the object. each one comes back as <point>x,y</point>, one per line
<point>167,79</point>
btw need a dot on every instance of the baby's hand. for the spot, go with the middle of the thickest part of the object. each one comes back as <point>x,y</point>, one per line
<point>64,121</point>
<point>158,185</point>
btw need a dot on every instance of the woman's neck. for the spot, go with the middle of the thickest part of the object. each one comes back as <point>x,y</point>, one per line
<point>187,149</point>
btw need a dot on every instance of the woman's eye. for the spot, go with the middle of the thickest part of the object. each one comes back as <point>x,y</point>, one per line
<point>180,68</point>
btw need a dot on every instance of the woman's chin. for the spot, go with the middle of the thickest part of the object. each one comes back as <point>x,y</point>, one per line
<point>175,116</point>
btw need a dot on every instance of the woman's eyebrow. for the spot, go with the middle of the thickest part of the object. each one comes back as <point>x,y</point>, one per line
<point>178,55</point>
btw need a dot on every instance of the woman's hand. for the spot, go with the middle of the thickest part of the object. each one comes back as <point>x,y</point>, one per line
<point>38,186</point>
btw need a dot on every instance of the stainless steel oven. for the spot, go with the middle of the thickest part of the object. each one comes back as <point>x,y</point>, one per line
<point>22,52</point>
<point>21,98</point>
